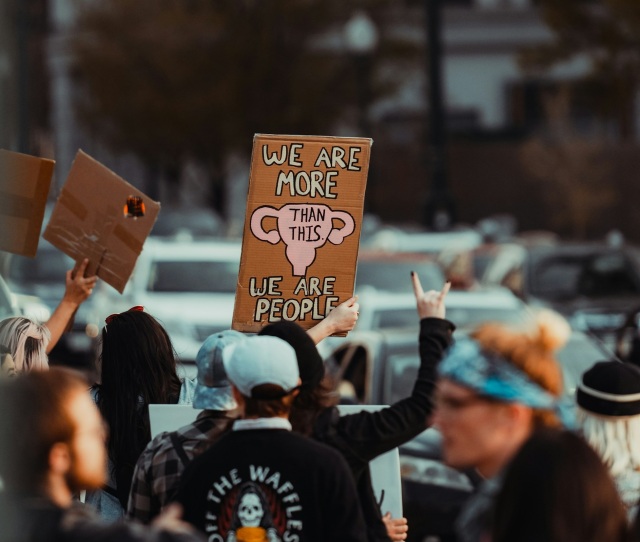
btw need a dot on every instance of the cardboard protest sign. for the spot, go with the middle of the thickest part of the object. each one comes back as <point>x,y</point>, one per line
<point>101,217</point>
<point>302,228</point>
<point>24,187</point>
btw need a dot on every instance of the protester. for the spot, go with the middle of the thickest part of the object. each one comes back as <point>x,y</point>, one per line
<point>52,446</point>
<point>556,489</point>
<point>494,389</point>
<point>149,376</point>
<point>29,342</point>
<point>608,400</point>
<point>261,481</point>
<point>364,436</point>
<point>137,368</point>
<point>158,470</point>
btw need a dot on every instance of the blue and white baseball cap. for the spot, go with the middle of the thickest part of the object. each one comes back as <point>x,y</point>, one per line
<point>213,391</point>
<point>261,360</point>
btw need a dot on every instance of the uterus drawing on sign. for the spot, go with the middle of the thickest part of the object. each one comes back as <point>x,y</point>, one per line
<point>303,228</point>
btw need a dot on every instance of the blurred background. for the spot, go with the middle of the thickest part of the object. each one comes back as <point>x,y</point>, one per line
<point>476,107</point>
<point>505,159</point>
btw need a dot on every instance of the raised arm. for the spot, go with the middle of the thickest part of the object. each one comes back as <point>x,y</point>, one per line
<point>340,320</point>
<point>366,435</point>
<point>78,289</point>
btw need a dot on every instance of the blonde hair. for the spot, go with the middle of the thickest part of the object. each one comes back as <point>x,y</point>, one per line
<point>532,350</point>
<point>615,439</point>
<point>27,341</point>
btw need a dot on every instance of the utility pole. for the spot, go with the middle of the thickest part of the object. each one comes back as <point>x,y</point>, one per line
<point>439,212</point>
<point>22,7</point>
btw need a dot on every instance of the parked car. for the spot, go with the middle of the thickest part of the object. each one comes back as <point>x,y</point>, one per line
<point>189,286</point>
<point>593,284</point>
<point>389,310</point>
<point>390,271</point>
<point>189,223</point>
<point>380,368</point>
<point>399,240</point>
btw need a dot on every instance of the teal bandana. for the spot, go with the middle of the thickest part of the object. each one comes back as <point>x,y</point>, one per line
<point>492,376</point>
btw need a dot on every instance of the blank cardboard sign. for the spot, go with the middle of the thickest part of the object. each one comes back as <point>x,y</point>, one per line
<point>302,228</point>
<point>101,217</point>
<point>24,187</point>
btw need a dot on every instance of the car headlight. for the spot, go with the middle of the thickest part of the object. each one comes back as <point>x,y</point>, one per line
<point>431,472</point>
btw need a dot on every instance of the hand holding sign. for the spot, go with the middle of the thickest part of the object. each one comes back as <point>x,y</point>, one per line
<point>78,287</point>
<point>339,321</point>
<point>301,233</point>
<point>396,527</point>
<point>430,304</point>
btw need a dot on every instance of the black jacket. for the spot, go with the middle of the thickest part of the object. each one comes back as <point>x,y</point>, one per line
<point>363,436</point>
<point>297,489</point>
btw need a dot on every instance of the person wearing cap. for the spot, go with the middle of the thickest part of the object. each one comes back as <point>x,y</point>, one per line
<point>608,415</point>
<point>494,389</point>
<point>261,481</point>
<point>158,470</point>
<point>159,467</point>
<point>363,436</point>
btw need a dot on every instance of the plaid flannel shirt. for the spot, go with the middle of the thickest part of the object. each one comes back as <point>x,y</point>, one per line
<point>158,470</point>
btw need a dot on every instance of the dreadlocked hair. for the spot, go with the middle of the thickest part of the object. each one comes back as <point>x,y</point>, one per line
<point>138,367</point>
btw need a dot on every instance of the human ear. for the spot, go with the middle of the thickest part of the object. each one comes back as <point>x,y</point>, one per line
<point>238,397</point>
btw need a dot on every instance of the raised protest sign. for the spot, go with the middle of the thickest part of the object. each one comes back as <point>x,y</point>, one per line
<point>302,228</point>
<point>101,217</point>
<point>24,187</point>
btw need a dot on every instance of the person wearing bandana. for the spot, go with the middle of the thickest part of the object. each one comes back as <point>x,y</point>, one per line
<point>494,390</point>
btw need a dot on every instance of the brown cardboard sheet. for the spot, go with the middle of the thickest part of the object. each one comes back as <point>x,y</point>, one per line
<point>24,187</point>
<point>101,217</point>
<point>302,228</point>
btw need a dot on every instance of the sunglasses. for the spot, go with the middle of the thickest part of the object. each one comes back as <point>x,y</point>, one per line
<point>112,317</point>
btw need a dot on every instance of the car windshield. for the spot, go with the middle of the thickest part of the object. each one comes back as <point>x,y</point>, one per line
<point>568,277</point>
<point>578,355</point>
<point>393,276</point>
<point>48,267</point>
<point>463,317</point>
<point>193,276</point>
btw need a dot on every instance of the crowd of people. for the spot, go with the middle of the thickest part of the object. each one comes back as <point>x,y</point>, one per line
<point>270,458</point>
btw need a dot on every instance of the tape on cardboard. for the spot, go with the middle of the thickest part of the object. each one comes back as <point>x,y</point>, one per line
<point>128,239</point>
<point>73,204</point>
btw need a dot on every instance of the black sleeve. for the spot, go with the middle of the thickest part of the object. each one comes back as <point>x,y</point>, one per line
<point>188,493</point>
<point>369,434</point>
<point>344,521</point>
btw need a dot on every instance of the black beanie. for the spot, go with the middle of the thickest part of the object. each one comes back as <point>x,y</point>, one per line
<point>310,362</point>
<point>610,388</point>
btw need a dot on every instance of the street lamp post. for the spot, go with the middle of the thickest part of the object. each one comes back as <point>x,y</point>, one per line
<point>23,76</point>
<point>361,39</point>
<point>439,212</point>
